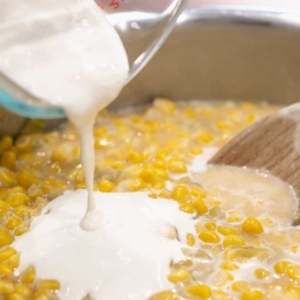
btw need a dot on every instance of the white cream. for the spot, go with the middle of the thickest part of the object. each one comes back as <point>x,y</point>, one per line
<point>67,54</point>
<point>127,258</point>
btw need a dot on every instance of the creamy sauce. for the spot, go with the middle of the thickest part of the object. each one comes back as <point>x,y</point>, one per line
<point>128,257</point>
<point>67,54</point>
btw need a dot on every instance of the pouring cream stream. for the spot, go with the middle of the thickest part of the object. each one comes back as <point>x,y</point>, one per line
<point>67,54</point>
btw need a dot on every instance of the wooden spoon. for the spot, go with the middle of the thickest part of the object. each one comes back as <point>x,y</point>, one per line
<point>271,144</point>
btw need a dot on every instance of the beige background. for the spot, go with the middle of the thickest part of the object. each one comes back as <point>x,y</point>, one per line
<point>288,4</point>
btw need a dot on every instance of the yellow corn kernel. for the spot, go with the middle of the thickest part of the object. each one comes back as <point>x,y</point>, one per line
<point>165,295</point>
<point>135,157</point>
<point>252,226</point>
<point>153,196</point>
<point>293,272</point>
<point>5,143</point>
<point>60,155</point>
<point>195,151</point>
<point>281,266</point>
<point>210,225</point>
<point>179,276</point>
<point>148,175</point>
<point>6,287</point>
<point>14,260</point>
<point>4,208</point>
<point>15,296</point>
<point>28,276</point>
<point>209,236</point>
<point>106,186</point>
<point>7,176</point>
<point>187,208</point>
<point>135,184</point>
<point>21,230</point>
<point>250,118</point>
<point>190,240</point>
<point>205,137</point>
<point>200,206</point>
<point>198,193</point>
<point>6,254</point>
<point>5,236</point>
<point>294,249</point>
<point>224,230</point>
<point>41,295</point>
<point>240,286</point>
<point>233,240</point>
<point>164,105</point>
<point>100,131</point>
<point>8,159</point>
<point>23,143</point>
<point>26,178</point>
<point>165,195</point>
<point>229,266</point>
<point>261,273</point>
<point>199,290</point>
<point>252,295</point>
<point>48,284</point>
<point>294,289</point>
<point>22,290</point>
<point>160,163</point>
<point>159,185</point>
<point>180,193</point>
<point>176,166</point>
<point>222,125</point>
<point>5,269</point>
<point>16,199</point>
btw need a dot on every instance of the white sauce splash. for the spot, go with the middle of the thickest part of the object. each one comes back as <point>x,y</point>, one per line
<point>66,53</point>
<point>127,258</point>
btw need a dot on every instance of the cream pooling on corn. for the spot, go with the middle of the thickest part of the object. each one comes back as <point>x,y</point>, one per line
<point>66,53</point>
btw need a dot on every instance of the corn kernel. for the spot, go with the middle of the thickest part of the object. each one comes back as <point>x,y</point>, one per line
<point>23,143</point>
<point>148,175</point>
<point>176,166</point>
<point>199,290</point>
<point>293,272</point>
<point>15,296</point>
<point>222,125</point>
<point>28,276</point>
<point>8,159</point>
<point>281,266</point>
<point>160,163</point>
<point>14,260</point>
<point>153,196</point>
<point>261,273</point>
<point>227,230</point>
<point>196,151</point>
<point>20,230</point>
<point>165,195</point>
<point>5,143</point>
<point>135,157</point>
<point>7,177</point>
<point>252,295</point>
<point>26,178</point>
<point>200,206</point>
<point>165,295</point>
<point>6,287</point>
<point>215,203</point>
<point>190,240</point>
<point>233,240</point>
<point>210,225</point>
<point>179,276</point>
<point>48,285</point>
<point>5,237</point>
<point>41,295</point>
<point>229,266</point>
<point>292,288</point>
<point>209,236</point>
<point>252,226</point>
<point>198,193</point>
<point>240,286</point>
<point>4,208</point>
<point>205,137</point>
<point>187,208</point>
<point>164,105</point>
<point>22,290</point>
<point>180,193</point>
<point>6,254</point>
<point>5,269</point>
<point>16,199</point>
<point>106,186</point>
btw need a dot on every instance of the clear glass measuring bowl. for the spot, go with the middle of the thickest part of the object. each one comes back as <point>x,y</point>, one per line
<point>147,22</point>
